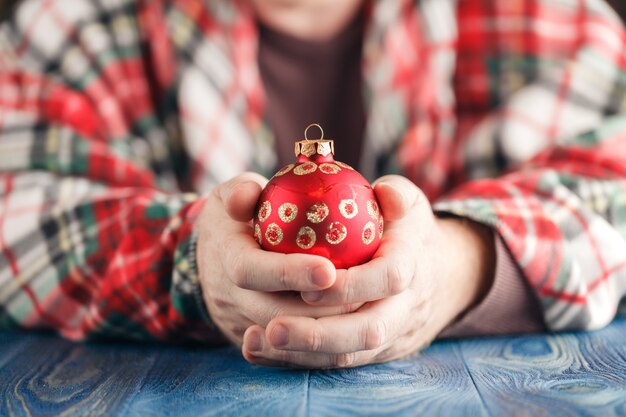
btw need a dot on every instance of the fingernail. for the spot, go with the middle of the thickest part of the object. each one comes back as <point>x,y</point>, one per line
<point>385,184</point>
<point>255,343</point>
<point>279,335</point>
<point>319,276</point>
<point>312,296</point>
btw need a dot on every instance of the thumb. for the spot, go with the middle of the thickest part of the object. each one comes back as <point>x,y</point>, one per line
<point>240,195</point>
<point>396,195</point>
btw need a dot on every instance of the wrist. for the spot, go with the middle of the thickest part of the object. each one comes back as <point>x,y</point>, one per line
<point>469,254</point>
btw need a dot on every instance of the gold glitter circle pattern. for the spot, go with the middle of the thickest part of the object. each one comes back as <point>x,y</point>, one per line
<point>381,224</point>
<point>258,236</point>
<point>336,233</point>
<point>306,237</point>
<point>287,212</point>
<point>317,212</point>
<point>284,170</point>
<point>329,168</point>
<point>369,233</point>
<point>265,211</point>
<point>274,234</point>
<point>306,168</point>
<point>344,165</point>
<point>348,208</point>
<point>372,209</point>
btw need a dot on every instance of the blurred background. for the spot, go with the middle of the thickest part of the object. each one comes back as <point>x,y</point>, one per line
<point>6,6</point>
<point>620,6</point>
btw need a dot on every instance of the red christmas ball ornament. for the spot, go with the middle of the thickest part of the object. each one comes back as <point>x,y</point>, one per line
<point>319,206</point>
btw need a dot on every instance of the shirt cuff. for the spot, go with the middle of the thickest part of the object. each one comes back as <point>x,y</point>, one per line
<point>509,307</point>
<point>192,319</point>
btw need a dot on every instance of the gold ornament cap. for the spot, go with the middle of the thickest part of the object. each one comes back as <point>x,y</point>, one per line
<point>310,147</point>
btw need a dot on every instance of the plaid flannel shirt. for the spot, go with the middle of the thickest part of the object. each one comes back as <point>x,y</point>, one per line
<point>117,115</point>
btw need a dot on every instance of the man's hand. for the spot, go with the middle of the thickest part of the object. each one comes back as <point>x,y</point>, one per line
<point>242,284</point>
<point>427,272</point>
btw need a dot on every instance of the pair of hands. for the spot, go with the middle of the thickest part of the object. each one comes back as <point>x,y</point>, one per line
<point>297,310</point>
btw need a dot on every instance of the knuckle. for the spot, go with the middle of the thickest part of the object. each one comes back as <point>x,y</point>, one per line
<point>344,360</point>
<point>283,276</point>
<point>223,191</point>
<point>240,273</point>
<point>276,311</point>
<point>347,290</point>
<point>349,308</point>
<point>420,197</point>
<point>283,357</point>
<point>313,341</point>
<point>374,334</point>
<point>425,311</point>
<point>397,280</point>
<point>216,192</point>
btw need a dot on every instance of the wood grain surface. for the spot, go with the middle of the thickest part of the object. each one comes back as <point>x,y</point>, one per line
<point>572,374</point>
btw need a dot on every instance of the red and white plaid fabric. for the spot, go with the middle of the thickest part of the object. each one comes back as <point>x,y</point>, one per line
<point>116,115</point>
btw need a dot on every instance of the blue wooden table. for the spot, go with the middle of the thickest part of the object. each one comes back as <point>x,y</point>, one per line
<point>574,374</point>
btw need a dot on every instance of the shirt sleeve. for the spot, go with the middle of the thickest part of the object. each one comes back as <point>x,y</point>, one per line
<point>551,109</point>
<point>96,239</point>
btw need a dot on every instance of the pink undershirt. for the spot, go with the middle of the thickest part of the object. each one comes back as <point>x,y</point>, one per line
<point>320,82</point>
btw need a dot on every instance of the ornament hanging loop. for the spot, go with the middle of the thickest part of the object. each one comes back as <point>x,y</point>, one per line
<point>306,137</point>
<point>309,147</point>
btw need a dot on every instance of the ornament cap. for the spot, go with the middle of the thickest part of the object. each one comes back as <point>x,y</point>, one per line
<point>310,147</point>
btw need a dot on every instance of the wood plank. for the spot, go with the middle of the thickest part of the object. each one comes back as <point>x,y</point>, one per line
<point>434,383</point>
<point>217,382</point>
<point>52,376</point>
<point>10,345</point>
<point>572,374</point>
